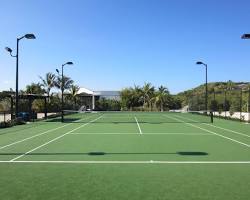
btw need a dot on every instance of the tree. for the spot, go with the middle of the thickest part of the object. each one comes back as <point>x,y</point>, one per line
<point>147,93</point>
<point>214,105</point>
<point>108,104</point>
<point>126,98</point>
<point>67,82</point>
<point>73,93</point>
<point>34,88</point>
<point>161,97</point>
<point>48,82</point>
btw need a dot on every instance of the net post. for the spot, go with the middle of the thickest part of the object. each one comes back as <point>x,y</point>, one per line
<point>211,117</point>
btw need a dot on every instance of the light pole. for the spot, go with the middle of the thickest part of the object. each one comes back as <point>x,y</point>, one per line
<point>247,36</point>
<point>201,63</point>
<point>27,36</point>
<point>62,88</point>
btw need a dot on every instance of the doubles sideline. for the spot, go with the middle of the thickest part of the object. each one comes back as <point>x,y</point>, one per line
<point>225,137</point>
<point>50,141</point>
<point>39,134</point>
<point>218,127</point>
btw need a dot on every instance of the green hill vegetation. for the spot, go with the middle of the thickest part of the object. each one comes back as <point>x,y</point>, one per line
<point>222,96</point>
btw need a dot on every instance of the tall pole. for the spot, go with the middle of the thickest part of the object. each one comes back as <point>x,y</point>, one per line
<point>248,109</point>
<point>27,36</point>
<point>17,45</point>
<point>62,118</point>
<point>206,89</point>
<point>62,88</point>
<point>206,95</point>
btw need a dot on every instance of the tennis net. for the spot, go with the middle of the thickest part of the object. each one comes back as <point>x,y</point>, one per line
<point>140,117</point>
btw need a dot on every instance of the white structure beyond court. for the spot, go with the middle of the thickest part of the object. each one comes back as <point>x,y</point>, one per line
<point>89,97</point>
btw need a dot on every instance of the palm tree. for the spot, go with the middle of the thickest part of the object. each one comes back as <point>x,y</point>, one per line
<point>161,96</point>
<point>126,98</point>
<point>68,82</point>
<point>136,95</point>
<point>73,93</point>
<point>48,82</point>
<point>147,93</point>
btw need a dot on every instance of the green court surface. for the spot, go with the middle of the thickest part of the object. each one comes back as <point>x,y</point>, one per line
<point>126,155</point>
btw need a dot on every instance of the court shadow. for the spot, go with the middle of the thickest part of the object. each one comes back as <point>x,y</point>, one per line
<point>192,153</point>
<point>67,120</point>
<point>100,153</point>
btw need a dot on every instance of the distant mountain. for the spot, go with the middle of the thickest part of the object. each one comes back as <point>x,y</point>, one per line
<point>217,87</point>
<point>233,89</point>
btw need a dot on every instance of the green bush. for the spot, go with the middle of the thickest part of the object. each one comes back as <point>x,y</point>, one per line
<point>10,123</point>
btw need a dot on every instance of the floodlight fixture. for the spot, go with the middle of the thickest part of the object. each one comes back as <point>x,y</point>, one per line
<point>245,36</point>
<point>30,36</point>
<point>199,63</point>
<point>8,49</point>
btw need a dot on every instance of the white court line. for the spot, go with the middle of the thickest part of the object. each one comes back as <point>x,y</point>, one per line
<point>28,138</point>
<point>125,162</point>
<point>138,125</point>
<point>228,138</point>
<point>225,129</point>
<point>76,133</point>
<point>54,139</point>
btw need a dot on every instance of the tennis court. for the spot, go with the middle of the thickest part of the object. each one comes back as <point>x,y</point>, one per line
<point>126,155</point>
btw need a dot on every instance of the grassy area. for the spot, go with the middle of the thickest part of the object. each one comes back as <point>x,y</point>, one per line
<point>126,156</point>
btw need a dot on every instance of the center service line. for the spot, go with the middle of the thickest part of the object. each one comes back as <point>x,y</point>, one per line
<point>138,125</point>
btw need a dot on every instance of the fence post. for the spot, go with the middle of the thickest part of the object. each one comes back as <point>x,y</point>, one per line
<point>11,107</point>
<point>248,110</point>
<point>225,98</point>
<point>45,108</point>
<point>240,105</point>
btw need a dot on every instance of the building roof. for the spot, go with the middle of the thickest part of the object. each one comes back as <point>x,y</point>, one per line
<point>85,91</point>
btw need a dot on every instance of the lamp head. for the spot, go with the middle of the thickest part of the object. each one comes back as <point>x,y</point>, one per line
<point>30,36</point>
<point>199,63</point>
<point>8,49</point>
<point>245,36</point>
<point>69,63</point>
<point>57,71</point>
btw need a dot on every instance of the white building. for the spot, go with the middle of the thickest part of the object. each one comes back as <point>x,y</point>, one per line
<point>89,97</point>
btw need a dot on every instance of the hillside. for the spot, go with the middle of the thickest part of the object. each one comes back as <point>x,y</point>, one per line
<point>221,95</point>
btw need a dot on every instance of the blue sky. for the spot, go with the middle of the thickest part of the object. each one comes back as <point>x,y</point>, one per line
<point>119,43</point>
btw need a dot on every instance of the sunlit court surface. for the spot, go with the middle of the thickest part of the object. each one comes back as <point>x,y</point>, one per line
<point>120,155</point>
